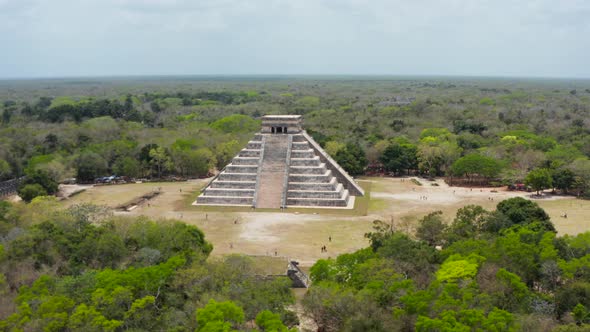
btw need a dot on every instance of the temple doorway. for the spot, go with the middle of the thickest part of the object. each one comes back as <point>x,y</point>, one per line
<point>278,130</point>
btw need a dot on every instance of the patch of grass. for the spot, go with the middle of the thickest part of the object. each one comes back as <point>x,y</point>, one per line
<point>416,182</point>
<point>269,265</point>
<point>377,204</point>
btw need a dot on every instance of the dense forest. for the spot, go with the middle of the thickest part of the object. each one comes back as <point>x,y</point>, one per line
<point>82,269</point>
<point>477,131</point>
<point>85,269</point>
<point>501,270</point>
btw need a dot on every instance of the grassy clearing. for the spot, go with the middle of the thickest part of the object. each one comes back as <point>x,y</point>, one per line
<point>577,210</point>
<point>299,233</point>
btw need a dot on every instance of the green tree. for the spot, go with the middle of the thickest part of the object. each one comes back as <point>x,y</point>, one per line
<point>236,123</point>
<point>160,158</point>
<point>268,321</point>
<point>539,179</point>
<point>43,179</point>
<point>30,191</point>
<point>330,305</point>
<point>475,164</point>
<point>127,166</point>
<point>563,179</point>
<point>522,211</point>
<point>322,270</point>
<point>399,157</point>
<point>352,159</point>
<point>435,156</point>
<point>332,147</point>
<point>85,318</point>
<point>457,267</point>
<point>219,316</point>
<point>110,249</point>
<point>431,228</point>
<point>89,166</point>
<point>581,314</point>
<point>468,223</point>
<point>225,152</point>
<point>193,162</point>
<point>4,170</point>
<point>142,314</point>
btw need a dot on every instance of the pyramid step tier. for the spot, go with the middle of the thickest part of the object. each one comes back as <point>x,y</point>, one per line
<point>317,202</point>
<point>315,161</point>
<point>224,200</point>
<point>298,146</point>
<point>234,192</point>
<point>302,153</point>
<point>231,168</point>
<point>233,184</point>
<point>313,186</point>
<point>254,145</point>
<point>321,178</point>
<point>245,161</point>
<point>314,194</point>
<point>237,176</point>
<point>320,169</point>
<point>299,138</point>
<point>250,153</point>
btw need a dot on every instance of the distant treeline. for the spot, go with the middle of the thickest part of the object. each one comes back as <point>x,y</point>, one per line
<point>482,131</point>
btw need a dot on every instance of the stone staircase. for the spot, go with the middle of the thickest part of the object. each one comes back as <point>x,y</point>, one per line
<point>272,174</point>
<point>298,277</point>
<point>236,183</point>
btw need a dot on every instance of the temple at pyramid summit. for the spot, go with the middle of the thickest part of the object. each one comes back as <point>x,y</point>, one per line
<point>282,167</point>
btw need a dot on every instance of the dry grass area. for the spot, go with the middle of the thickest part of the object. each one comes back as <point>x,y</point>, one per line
<point>300,233</point>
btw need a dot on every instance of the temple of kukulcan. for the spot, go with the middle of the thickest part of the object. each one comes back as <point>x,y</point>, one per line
<point>282,167</point>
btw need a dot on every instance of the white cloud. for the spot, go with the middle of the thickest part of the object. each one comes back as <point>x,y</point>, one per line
<point>461,37</point>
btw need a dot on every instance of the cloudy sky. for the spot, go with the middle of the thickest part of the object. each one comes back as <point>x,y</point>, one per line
<point>57,38</point>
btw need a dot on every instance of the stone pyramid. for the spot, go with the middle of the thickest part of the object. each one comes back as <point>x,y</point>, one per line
<point>282,167</point>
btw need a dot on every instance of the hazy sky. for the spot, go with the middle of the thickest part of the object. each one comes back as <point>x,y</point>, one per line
<point>41,38</point>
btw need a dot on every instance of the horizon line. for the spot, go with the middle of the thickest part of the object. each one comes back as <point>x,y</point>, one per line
<point>137,76</point>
